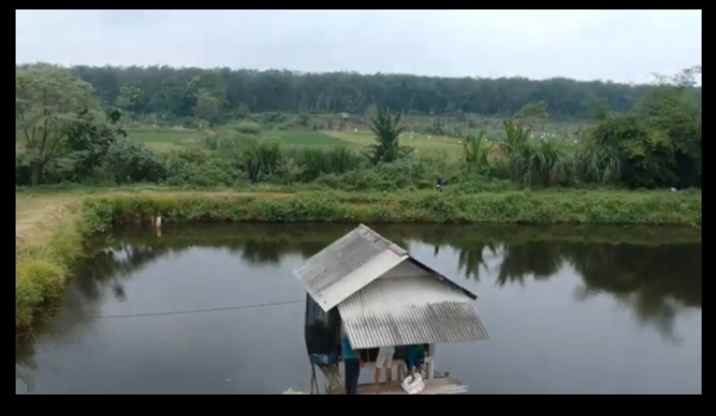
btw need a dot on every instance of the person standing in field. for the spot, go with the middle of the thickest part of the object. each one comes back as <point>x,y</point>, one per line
<point>384,360</point>
<point>351,360</point>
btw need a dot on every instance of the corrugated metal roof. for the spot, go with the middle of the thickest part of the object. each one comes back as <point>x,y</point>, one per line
<point>347,265</point>
<point>410,308</point>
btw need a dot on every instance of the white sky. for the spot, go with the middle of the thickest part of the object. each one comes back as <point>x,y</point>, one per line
<point>619,45</point>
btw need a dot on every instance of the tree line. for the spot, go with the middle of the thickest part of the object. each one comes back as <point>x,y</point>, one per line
<point>66,134</point>
<point>221,93</point>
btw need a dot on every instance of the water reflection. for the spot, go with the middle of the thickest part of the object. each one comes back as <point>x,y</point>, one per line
<point>647,277</point>
<point>655,274</point>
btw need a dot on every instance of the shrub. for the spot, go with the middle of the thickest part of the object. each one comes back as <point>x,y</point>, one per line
<point>475,152</point>
<point>260,160</point>
<point>337,160</point>
<point>623,149</point>
<point>132,162</point>
<point>248,127</point>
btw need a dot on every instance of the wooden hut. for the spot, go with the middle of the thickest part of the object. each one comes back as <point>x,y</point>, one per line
<point>384,297</point>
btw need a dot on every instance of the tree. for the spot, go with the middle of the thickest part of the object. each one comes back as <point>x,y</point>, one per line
<point>130,98</point>
<point>533,110</point>
<point>49,99</point>
<point>599,108</point>
<point>207,107</point>
<point>674,107</point>
<point>174,91</point>
<point>130,162</point>
<point>533,114</point>
<point>627,149</point>
<point>387,129</point>
<point>89,139</point>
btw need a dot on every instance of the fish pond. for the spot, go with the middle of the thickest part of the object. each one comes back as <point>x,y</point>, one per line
<point>215,309</point>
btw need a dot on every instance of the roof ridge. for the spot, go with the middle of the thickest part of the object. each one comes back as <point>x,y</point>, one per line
<point>391,245</point>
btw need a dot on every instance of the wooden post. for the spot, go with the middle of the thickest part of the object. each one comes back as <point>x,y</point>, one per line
<point>431,365</point>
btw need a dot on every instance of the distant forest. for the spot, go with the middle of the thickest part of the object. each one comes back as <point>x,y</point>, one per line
<point>220,93</point>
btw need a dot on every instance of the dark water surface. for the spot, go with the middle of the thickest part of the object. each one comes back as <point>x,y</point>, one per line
<point>569,309</point>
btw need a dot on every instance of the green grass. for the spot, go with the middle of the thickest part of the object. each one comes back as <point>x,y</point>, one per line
<point>304,138</point>
<point>426,145</point>
<point>515,207</point>
<point>165,139</point>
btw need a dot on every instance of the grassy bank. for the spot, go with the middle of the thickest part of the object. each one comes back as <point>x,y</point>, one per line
<point>521,207</point>
<point>56,224</point>
<point>44,259</point>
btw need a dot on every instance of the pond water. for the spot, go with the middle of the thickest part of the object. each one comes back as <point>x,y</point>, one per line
<point>569,309</point>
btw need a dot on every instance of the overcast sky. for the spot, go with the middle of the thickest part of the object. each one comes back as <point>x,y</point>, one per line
<point>622,46</point>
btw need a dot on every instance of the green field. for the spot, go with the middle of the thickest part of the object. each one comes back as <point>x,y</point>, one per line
<point>167,139</point>
<point>164,139</point>
<point>425,145</point>
<point>306,138</point>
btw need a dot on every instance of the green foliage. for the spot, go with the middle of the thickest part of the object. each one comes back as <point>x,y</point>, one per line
<point>23,169</point>
<point>516,136</point>
<point>131,98</point>
<point>534,110</point>
<point>475,151</point>
<point>259,160</point>
<point>207,107</point>
<point>41,273</point>
<point>173,92</point>
<point>386,129</point>
<point>537,161</point>
<point>38,281</point>
<point>64,138</point>
<point>406,173</point>
<point>543,207</point>
<point>130,162</point>
<point>248,127</point>
<point>624,149</point>
<point>88,141</point>
<point>198,168</point>
<point>48,99</point>
<point>675,110</point>
<point>317,162</point>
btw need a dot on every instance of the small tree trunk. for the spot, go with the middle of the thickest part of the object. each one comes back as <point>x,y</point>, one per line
<point>36,173</point>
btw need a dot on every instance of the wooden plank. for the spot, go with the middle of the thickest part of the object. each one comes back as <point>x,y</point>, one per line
<point>442,385</point>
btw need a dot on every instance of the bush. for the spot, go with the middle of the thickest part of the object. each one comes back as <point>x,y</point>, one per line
<point>401,174</point>
<point>317,162</point>
<point>23,170</point>
<point>623,149</point>
<point>132,162</point>
<point>248,127</point>
<point>197,168</point>
<point>260,160</point>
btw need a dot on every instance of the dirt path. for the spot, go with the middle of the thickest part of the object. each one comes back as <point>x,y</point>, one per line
<point>36,213</point>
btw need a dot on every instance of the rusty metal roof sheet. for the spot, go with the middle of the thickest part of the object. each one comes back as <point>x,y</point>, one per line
<point>348,265</point>
<point>410,308</point>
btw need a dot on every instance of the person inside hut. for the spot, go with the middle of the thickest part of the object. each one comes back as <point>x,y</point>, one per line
<point>384,360</point>
<point>414,359</point>
<point>351,360</point>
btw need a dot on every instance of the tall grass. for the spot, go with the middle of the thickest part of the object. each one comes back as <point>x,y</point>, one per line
<point>317,162</point>
<point>41,272</point>
<point>536,161</point>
